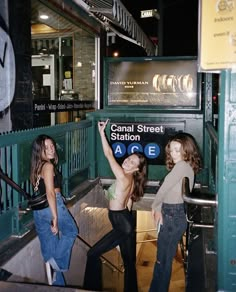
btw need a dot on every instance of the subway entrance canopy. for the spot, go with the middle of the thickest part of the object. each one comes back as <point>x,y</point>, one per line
<point>113,15</point>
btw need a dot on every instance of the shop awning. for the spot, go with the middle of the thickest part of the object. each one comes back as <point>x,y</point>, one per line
<point>113,15</point>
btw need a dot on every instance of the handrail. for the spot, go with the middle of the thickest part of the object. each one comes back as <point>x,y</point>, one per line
<point>212,132</point>
<point>27,196</point>
<point>14,185</point>
<point>200,200</point>
<point>196,201</point>
<point>146,230</point>
<point>102,257</point>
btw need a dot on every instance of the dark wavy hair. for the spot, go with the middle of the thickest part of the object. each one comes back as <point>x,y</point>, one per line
<point>140,178</point>
<point>189,150</point>
<point>37,160</point>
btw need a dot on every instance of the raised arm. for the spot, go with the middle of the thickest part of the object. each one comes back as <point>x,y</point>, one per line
<point>116,168</point>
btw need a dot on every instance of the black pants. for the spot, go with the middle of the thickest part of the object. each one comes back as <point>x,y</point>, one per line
<point>122,234</point>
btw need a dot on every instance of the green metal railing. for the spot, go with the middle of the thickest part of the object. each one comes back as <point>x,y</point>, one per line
<point>72,141</point>
<point>211,161</point>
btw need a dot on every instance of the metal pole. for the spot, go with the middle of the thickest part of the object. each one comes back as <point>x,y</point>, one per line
<point>160,27</point>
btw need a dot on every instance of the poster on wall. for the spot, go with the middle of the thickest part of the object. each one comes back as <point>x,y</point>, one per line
<point>7,77</point>
<point>155,82</point>
<point>147,138</point>
<point>217,35</point>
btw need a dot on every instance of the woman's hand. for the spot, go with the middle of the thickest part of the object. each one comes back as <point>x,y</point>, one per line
<point>54,226</point>
<point>157,217</point>
<point>102,125</point>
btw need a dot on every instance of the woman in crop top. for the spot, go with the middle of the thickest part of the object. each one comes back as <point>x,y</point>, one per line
<point>128,188</point>
<point>55,226</point>
<point>183,160</point>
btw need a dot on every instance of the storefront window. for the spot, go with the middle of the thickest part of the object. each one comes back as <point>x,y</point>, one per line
<point>63,63</point>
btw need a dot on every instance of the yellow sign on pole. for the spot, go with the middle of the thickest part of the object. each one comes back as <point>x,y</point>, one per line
<point>217,34</point>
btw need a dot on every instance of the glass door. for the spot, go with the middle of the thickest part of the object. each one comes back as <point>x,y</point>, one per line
<point>43,87</point>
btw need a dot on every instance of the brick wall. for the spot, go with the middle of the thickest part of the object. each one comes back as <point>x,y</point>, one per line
<point>84,53</point>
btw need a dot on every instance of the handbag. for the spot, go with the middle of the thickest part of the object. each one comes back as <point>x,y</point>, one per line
<point>38,201</point>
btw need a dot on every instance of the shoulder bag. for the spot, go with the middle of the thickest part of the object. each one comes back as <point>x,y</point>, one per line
<point>38,201</point>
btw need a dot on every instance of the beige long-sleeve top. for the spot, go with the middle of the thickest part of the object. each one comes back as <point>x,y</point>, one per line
<point>170,191</point>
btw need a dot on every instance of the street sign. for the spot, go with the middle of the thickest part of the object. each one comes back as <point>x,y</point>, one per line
<point>147,13</point>
<point>150,13</point>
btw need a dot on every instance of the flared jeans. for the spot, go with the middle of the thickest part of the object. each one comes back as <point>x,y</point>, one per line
<point>122,234</point>
<point>56,248</point>
<point>173,228</point>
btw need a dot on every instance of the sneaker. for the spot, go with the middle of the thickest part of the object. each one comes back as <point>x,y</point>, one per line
<point>50,273</point>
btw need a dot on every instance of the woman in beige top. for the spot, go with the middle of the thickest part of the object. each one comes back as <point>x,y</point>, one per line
<point>183,160</point>
<point>128,187</point>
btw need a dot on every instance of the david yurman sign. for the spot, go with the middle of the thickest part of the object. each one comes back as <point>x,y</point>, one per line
<point>62,105</point>
<point>170,83</point>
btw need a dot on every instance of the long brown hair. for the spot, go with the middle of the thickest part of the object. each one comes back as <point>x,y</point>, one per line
<point>140,178</point>
<point>189,150</point>
<point>37,160</point>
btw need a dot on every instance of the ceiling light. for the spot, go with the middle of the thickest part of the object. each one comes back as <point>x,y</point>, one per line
<point>43,16</point>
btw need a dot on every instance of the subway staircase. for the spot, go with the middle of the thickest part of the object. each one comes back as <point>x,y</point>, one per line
<point>195,281</point>
<point>200,276</point>
<point>145,263</point>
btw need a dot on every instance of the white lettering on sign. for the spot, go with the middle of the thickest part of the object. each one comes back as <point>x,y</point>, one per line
<point>150,129</point>
<point>7,70</point>
<point>51,106</point>
<point>118,128</point>
<point>39,107</point>
<point>146,13</point>
<point>151,151</point>
<point>132,132</point>
<point>125,137</point>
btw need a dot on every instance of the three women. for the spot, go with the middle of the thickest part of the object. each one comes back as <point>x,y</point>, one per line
<point>57,230</point>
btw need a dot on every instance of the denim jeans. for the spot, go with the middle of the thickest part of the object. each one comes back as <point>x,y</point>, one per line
<point>56,248</point>
<point>173,228</point>
<point>123,235</point>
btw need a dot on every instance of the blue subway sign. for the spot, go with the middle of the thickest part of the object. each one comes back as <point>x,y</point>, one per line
<point>149,139</point>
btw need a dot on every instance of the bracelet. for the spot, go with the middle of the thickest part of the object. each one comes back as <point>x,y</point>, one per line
<point>188,83</point>
<point>155,82</point>
<point>171,83</point>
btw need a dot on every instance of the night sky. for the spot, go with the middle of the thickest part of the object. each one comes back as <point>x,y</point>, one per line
<point>179,36</point>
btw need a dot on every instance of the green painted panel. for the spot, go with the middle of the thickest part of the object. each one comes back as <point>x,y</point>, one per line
<point>226,216</point>
<point>6,224</point>
<point>232,142</point>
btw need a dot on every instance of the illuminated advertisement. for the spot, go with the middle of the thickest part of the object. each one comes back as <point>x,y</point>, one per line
<point>171,83</point>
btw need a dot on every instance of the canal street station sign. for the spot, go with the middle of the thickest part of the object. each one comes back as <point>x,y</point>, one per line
<point>149,139</point>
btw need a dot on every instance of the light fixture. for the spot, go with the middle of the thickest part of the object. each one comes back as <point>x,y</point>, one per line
<point>43,16</point>
<point>116,54</point>
<point>79,64</point>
